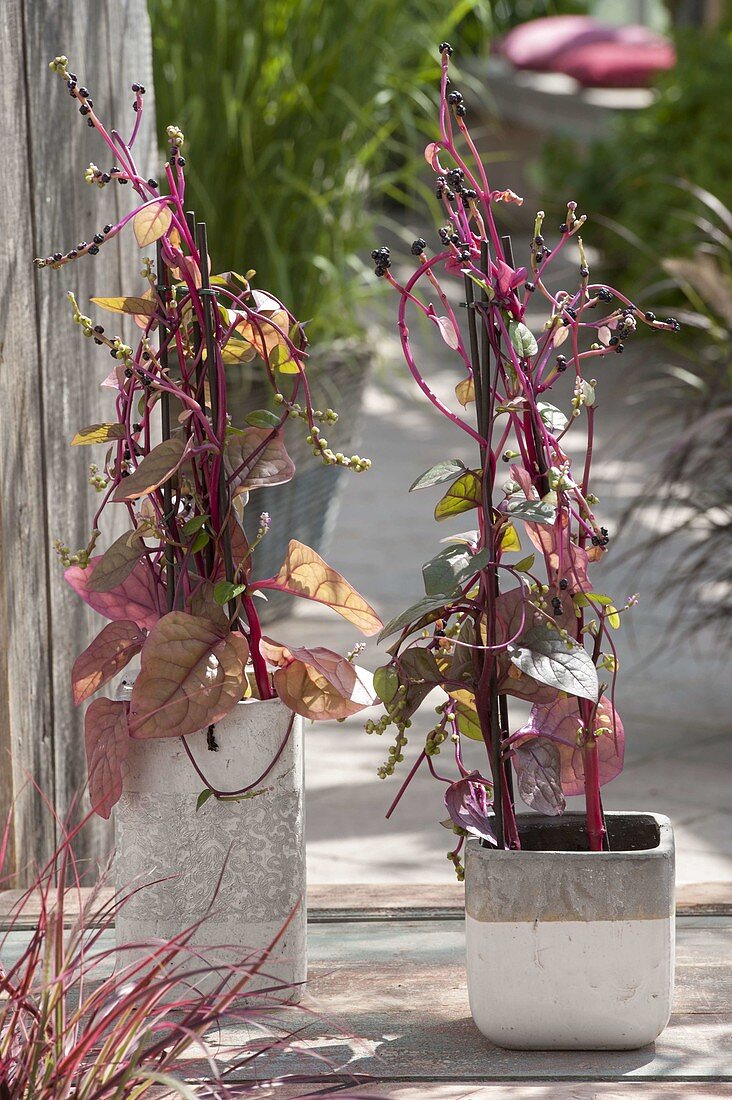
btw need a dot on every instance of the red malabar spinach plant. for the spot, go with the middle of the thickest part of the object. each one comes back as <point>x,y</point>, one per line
<point>497,622</point>
<point>178,586</point>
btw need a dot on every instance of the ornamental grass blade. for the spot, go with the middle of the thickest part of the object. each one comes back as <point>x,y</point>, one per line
<point>110,652</point>
<point>192,674</point>
<point>157,467</point>
<point>257,458</point>
<point>305,574</point>
<point>106,740</point>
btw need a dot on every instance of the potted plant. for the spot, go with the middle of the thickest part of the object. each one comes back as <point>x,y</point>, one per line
<point>569,918</point>
<point>203,751</point>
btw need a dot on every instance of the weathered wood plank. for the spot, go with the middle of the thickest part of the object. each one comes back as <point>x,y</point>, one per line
<point>53,374</point>
<point>359,901</point>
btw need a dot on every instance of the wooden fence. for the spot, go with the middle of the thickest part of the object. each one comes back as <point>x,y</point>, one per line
<point>50,374</point>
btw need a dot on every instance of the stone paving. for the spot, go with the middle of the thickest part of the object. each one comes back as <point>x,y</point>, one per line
<point>674,697</point>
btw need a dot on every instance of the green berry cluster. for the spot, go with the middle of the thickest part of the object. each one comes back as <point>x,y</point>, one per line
<point>378,727</point>
<point>395,755</point>
<point>59,65</point>
<point>176,137</point>
<point>438,734</point>
<point>329,457</point>
<point>458,865</point>
<point>96,480</point>
<point>81,557</point>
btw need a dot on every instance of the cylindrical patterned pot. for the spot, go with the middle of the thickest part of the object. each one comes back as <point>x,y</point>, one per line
<point>570,949</point>
<point>160,835</point>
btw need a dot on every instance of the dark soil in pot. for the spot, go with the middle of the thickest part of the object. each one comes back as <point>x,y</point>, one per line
<point>567,834</point>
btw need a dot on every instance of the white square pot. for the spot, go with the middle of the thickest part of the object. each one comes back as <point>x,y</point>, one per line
<point>571,949</point>
<point>160,836</point>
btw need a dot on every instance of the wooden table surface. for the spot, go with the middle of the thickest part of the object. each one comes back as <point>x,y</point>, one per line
<point>386,1013</point>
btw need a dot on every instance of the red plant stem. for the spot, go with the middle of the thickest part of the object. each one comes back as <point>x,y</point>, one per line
<point>413,771</point>
<point>255,650</point>
<point>595,825</point>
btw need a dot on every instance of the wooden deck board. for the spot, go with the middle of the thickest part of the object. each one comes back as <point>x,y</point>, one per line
<point>421,901</point>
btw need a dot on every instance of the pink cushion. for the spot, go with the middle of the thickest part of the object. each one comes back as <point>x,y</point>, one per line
<point>558,43</point>
<point>616,64</point>
<point>534,45</point>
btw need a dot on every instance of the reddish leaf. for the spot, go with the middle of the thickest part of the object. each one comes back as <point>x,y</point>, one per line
<point>117,562</point>
<point>271,466</point>
<point>560,722</point>
<point>150,222</point>
<point>515,615</point>
<point>573,560</point>
<point>320,684</point>
<point>470,806</point>
<point>108,654</point>
<point>304,573</point>
<point>506,279</point>
<point>192,674</point>
<point>107,744</point>
<point>432,155</point>
<point>138,597</point>
<point>447,331</point>
<point>156,468</point>
<point>538,765</point>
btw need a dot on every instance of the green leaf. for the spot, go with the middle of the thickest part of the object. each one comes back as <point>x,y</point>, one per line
<point>449,570</point>
<point>522,339</point>
<point>202,539</point>
<point>262,418</point>
<point>191,526</point>
<point>203,798</point>
<point>490,293</point>
<point>468,721</point>
<point>386,683</point>
<point>139,307</point>
<point>525,564</point>
<point>414,613</point>
<point>463,494</point>
<point>465,537</point>
<point>280,358</point>
<point>510,539</point>
<point>553,417</point>
<point>542,654</point>
<point>613,617</point>
<point>98,433</point>
<point>224,591</point>
<point>237,350</point>
<point>532,511</point>
<point>443,471</point>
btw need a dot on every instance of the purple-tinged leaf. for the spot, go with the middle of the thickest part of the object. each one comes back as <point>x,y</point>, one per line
<point>469,805</point>
<point>107,743</point>
<point>565,665</point>
<point>117,562</point>
<point>506,279</point>
<point>538,766</point>
<point>112,649</point>
<point>272,464</point>
<point>560,722</point>
<point>192,674</point>
<point>139,597</point>
<point>447,331</point>
<point>320,684</point>
<point>157,467</point>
